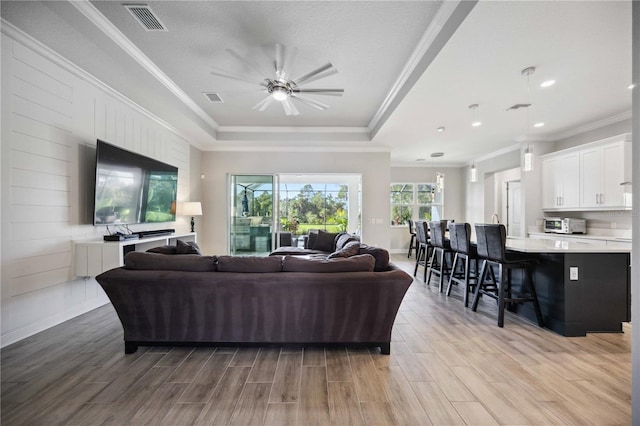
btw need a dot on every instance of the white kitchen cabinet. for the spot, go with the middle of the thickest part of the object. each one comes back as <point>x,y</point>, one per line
<point>561,181</point>
<point>587,177</point>
<point>602,170</point>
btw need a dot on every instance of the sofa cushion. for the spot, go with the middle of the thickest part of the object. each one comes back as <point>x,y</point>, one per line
<point>381,255</point>
<point>157,261</point>
<point>358,263</point>
<point>343,239</point>
<point>164,250</point>
<point>350,249</point>
<point>250,264</point>
<point>187,247</point>
<point>325,241</point>
<point>294,251</point>
<point>310,241</point>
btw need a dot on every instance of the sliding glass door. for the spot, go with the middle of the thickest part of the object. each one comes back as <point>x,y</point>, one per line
<point>252,214</point>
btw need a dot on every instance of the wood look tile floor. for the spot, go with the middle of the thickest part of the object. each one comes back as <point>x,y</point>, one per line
<point>448,366</point>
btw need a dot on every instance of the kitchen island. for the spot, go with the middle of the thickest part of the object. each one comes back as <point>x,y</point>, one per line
<point>581,288</point>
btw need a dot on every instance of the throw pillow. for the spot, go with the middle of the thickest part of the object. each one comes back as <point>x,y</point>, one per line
<point>164,250</point>
<point>311,239</point>
<point>350,249</point>
<point>188,247</point>
<point>324,241</point>
<point>380,254</point>
<point>343,238</point>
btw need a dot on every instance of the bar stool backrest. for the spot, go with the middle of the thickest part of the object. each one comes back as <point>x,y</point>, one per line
<point>411,227</point>
<point>492,239</point>
<point>437,229</point>
<point>420,234</point>
<point>460,237</point>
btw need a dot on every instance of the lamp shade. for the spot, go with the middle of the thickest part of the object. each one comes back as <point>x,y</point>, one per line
<point>192,209</point>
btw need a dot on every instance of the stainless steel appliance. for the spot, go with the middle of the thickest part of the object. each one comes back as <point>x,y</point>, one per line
<point>565,225</point>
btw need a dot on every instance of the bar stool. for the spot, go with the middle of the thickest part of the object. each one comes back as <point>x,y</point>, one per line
<point>441,247</point>
<point>491,241</point>
<point>412,242</point>
<point>460,240</point>
<point>423,248</point>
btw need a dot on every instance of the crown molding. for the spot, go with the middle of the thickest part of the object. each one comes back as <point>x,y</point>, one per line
<point>286,148</point>
<point>626,115</point>
<point>450,12</point>
<point>426,165</point>
<point>111,31</point>
<point>25,39</point>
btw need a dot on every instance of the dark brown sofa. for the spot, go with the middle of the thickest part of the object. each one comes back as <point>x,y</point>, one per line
<point>207,300</point>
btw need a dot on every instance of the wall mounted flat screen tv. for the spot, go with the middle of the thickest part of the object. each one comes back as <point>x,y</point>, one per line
<point>131,188</point>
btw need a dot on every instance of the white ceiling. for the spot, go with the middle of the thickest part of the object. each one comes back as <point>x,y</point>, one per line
<point>406,68</point>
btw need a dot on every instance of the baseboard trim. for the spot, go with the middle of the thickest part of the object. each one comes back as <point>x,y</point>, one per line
<point>44,324</point>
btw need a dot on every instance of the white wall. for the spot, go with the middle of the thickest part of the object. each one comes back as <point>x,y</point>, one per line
<point>374,168</point>
<point>52,114</point>
<point>453,197</point>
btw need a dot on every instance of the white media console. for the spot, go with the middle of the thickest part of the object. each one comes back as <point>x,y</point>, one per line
<point>92,257</point>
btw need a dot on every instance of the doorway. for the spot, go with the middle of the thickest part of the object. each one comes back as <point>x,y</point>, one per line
<point>512,207</point>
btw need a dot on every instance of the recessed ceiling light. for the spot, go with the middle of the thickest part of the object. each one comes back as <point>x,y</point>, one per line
<point>541,124</point>
<point>437,154</point>
<point>476,124</point>
<point>631,86</point>
<point>547,83</point>
<point>441,129</point>
<point>420,159</point>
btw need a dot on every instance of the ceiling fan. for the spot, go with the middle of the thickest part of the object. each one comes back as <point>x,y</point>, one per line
<point>281,88</point>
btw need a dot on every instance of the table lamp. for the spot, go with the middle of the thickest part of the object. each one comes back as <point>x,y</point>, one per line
<point>192,209</point>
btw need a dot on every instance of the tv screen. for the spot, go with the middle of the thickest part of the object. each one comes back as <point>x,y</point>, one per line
<point>131,188</point>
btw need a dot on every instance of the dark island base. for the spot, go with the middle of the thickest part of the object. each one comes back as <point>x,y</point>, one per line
<point>131,347</point>
<point>599,301</point>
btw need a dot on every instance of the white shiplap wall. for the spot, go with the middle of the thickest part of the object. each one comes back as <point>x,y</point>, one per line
<point>52,114</point>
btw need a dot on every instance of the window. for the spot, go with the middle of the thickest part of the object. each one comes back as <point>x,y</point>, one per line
<point>318,206</point>
<point>417,201</point>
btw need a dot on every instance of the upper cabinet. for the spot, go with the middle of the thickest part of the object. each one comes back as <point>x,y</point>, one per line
<point>561,178</point>
<point>587,177</point>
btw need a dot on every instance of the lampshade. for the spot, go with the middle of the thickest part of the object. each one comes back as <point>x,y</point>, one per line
<point>193,208</point>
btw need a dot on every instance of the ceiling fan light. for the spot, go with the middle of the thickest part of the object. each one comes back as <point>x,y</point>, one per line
<point>279,94</point>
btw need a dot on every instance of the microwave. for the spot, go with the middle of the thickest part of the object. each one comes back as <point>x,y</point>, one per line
<point>566,225</point>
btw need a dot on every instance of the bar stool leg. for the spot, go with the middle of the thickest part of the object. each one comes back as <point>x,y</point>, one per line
<point>427,280</point>
<point>501,295</point>
<point>419,252</point>
<point>466,281</point>
<point>476,293</point>
<point>453,271</point>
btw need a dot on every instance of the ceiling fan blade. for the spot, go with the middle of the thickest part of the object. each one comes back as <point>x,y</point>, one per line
<point>310,102</point>
<point>324,71</point>
<point>252,65</point>
<point>225,74</point>
<point>279,60</point>
<point>263,104</point>
<point>285,58</point>
<point>289,107</point>
<point>325,92</point>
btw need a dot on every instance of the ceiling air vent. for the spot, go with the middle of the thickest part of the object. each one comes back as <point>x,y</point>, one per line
<point>214,98</point>
<point>144,15</point>
<point>518,106</point>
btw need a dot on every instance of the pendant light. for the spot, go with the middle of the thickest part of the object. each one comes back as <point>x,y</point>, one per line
<point>527,161</point>
<point>473,176</point>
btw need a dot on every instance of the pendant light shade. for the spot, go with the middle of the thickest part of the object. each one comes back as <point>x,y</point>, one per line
<point>473,172</point>
<point>527,159</point>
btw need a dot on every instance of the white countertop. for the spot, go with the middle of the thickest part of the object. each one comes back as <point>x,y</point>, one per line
<point>585,236</point>
<point>530,245</point>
